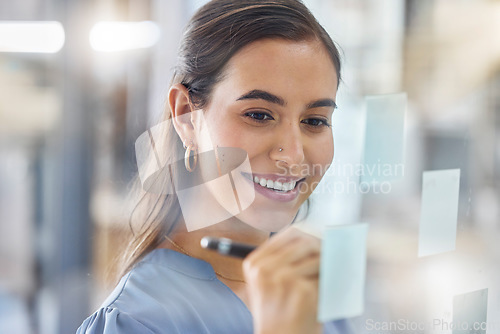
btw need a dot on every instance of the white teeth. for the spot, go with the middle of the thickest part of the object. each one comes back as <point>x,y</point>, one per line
<point>276,185</point>
<point>286,186</point>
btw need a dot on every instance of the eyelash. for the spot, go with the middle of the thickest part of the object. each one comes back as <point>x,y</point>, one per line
<point>264,117</point>
<point>323,122</point>
<point>251,115</point>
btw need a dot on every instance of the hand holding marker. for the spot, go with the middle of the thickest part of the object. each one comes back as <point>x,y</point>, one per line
<point>226,246</point>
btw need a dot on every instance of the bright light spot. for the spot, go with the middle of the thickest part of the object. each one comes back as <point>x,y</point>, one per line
<point>120,36</point>
<point>443,280</point>
<point>31,36</point>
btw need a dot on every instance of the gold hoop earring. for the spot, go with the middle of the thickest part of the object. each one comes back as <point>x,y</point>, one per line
<point>187,158</point>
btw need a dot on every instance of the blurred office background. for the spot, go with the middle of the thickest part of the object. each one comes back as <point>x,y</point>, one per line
<point>69,120</point>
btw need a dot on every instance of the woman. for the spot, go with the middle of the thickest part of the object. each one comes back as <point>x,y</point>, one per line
<point>260,76</point>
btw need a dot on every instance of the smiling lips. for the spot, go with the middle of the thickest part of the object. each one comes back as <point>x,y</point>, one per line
<point>276,185</point>
<point>280,189</point>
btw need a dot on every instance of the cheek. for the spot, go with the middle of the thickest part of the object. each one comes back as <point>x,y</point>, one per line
<point>321,158</point>
<point>233,135</point>
<point>331,152</point>
<point>222,132</point>
<point>215,128</point>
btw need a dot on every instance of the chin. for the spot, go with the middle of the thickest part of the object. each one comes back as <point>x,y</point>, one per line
<point>267,221</point>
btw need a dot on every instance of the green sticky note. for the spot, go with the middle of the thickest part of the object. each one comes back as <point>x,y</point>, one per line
<point>438,218</point>
<point>342,272</point>
<point>384,138</point>
<point>470,312</point>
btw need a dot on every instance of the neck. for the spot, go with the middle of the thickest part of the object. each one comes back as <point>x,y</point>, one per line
<point>189,242</point>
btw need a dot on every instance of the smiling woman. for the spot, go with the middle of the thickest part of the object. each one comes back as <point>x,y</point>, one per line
<point>259,76</point>
<point>268,102</point>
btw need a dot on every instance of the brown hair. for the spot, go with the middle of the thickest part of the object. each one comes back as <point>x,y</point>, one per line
<point>214,34</point>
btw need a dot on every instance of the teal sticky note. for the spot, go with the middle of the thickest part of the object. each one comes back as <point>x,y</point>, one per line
<point>342,272</point>
<point>438,217</point>
<point>470,312</point>
<point>384,138</point>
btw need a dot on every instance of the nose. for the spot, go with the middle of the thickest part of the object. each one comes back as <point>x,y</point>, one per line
<point>288,146</point>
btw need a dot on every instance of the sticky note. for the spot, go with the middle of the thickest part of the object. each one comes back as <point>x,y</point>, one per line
<point>342,272</point>
<point>438,217</point>
<point>384,138</point>
<point>470,312</point>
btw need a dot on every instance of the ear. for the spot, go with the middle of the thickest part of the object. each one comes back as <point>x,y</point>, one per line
<point>180,105</point>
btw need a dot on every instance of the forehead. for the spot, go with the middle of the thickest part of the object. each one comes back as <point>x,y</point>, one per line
<point>282,67</point>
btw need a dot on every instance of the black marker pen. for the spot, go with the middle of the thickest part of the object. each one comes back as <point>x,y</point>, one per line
<point>226,246</point>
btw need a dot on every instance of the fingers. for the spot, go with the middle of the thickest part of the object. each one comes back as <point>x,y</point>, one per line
<point>308,268</point>
<point>282,278</point>
<point>289,246</point>
<point>290,254</point>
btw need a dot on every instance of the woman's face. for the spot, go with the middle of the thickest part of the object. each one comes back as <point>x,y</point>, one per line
<point>275,101</point>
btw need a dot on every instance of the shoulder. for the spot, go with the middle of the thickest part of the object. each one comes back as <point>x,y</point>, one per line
<point>342,326</point>
<point>161,278</point>
<point>132,306</point>
<point>168,292</point>
<point>112,321</point>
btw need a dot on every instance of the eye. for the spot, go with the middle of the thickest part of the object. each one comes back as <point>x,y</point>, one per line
<point>259,116</point>
<point>316,122</point>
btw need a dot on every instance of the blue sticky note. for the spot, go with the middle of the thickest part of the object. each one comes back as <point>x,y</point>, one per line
<point>438,217</point>
<point>384,138</point>
<point>470,312</point>
<point>342,272</point>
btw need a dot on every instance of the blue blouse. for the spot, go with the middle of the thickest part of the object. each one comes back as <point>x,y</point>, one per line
<point>169,292</point>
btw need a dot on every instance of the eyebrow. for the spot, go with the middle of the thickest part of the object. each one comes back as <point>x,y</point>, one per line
<point>322,103</point>
<point>262,95</point>
<point>257,94</point>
